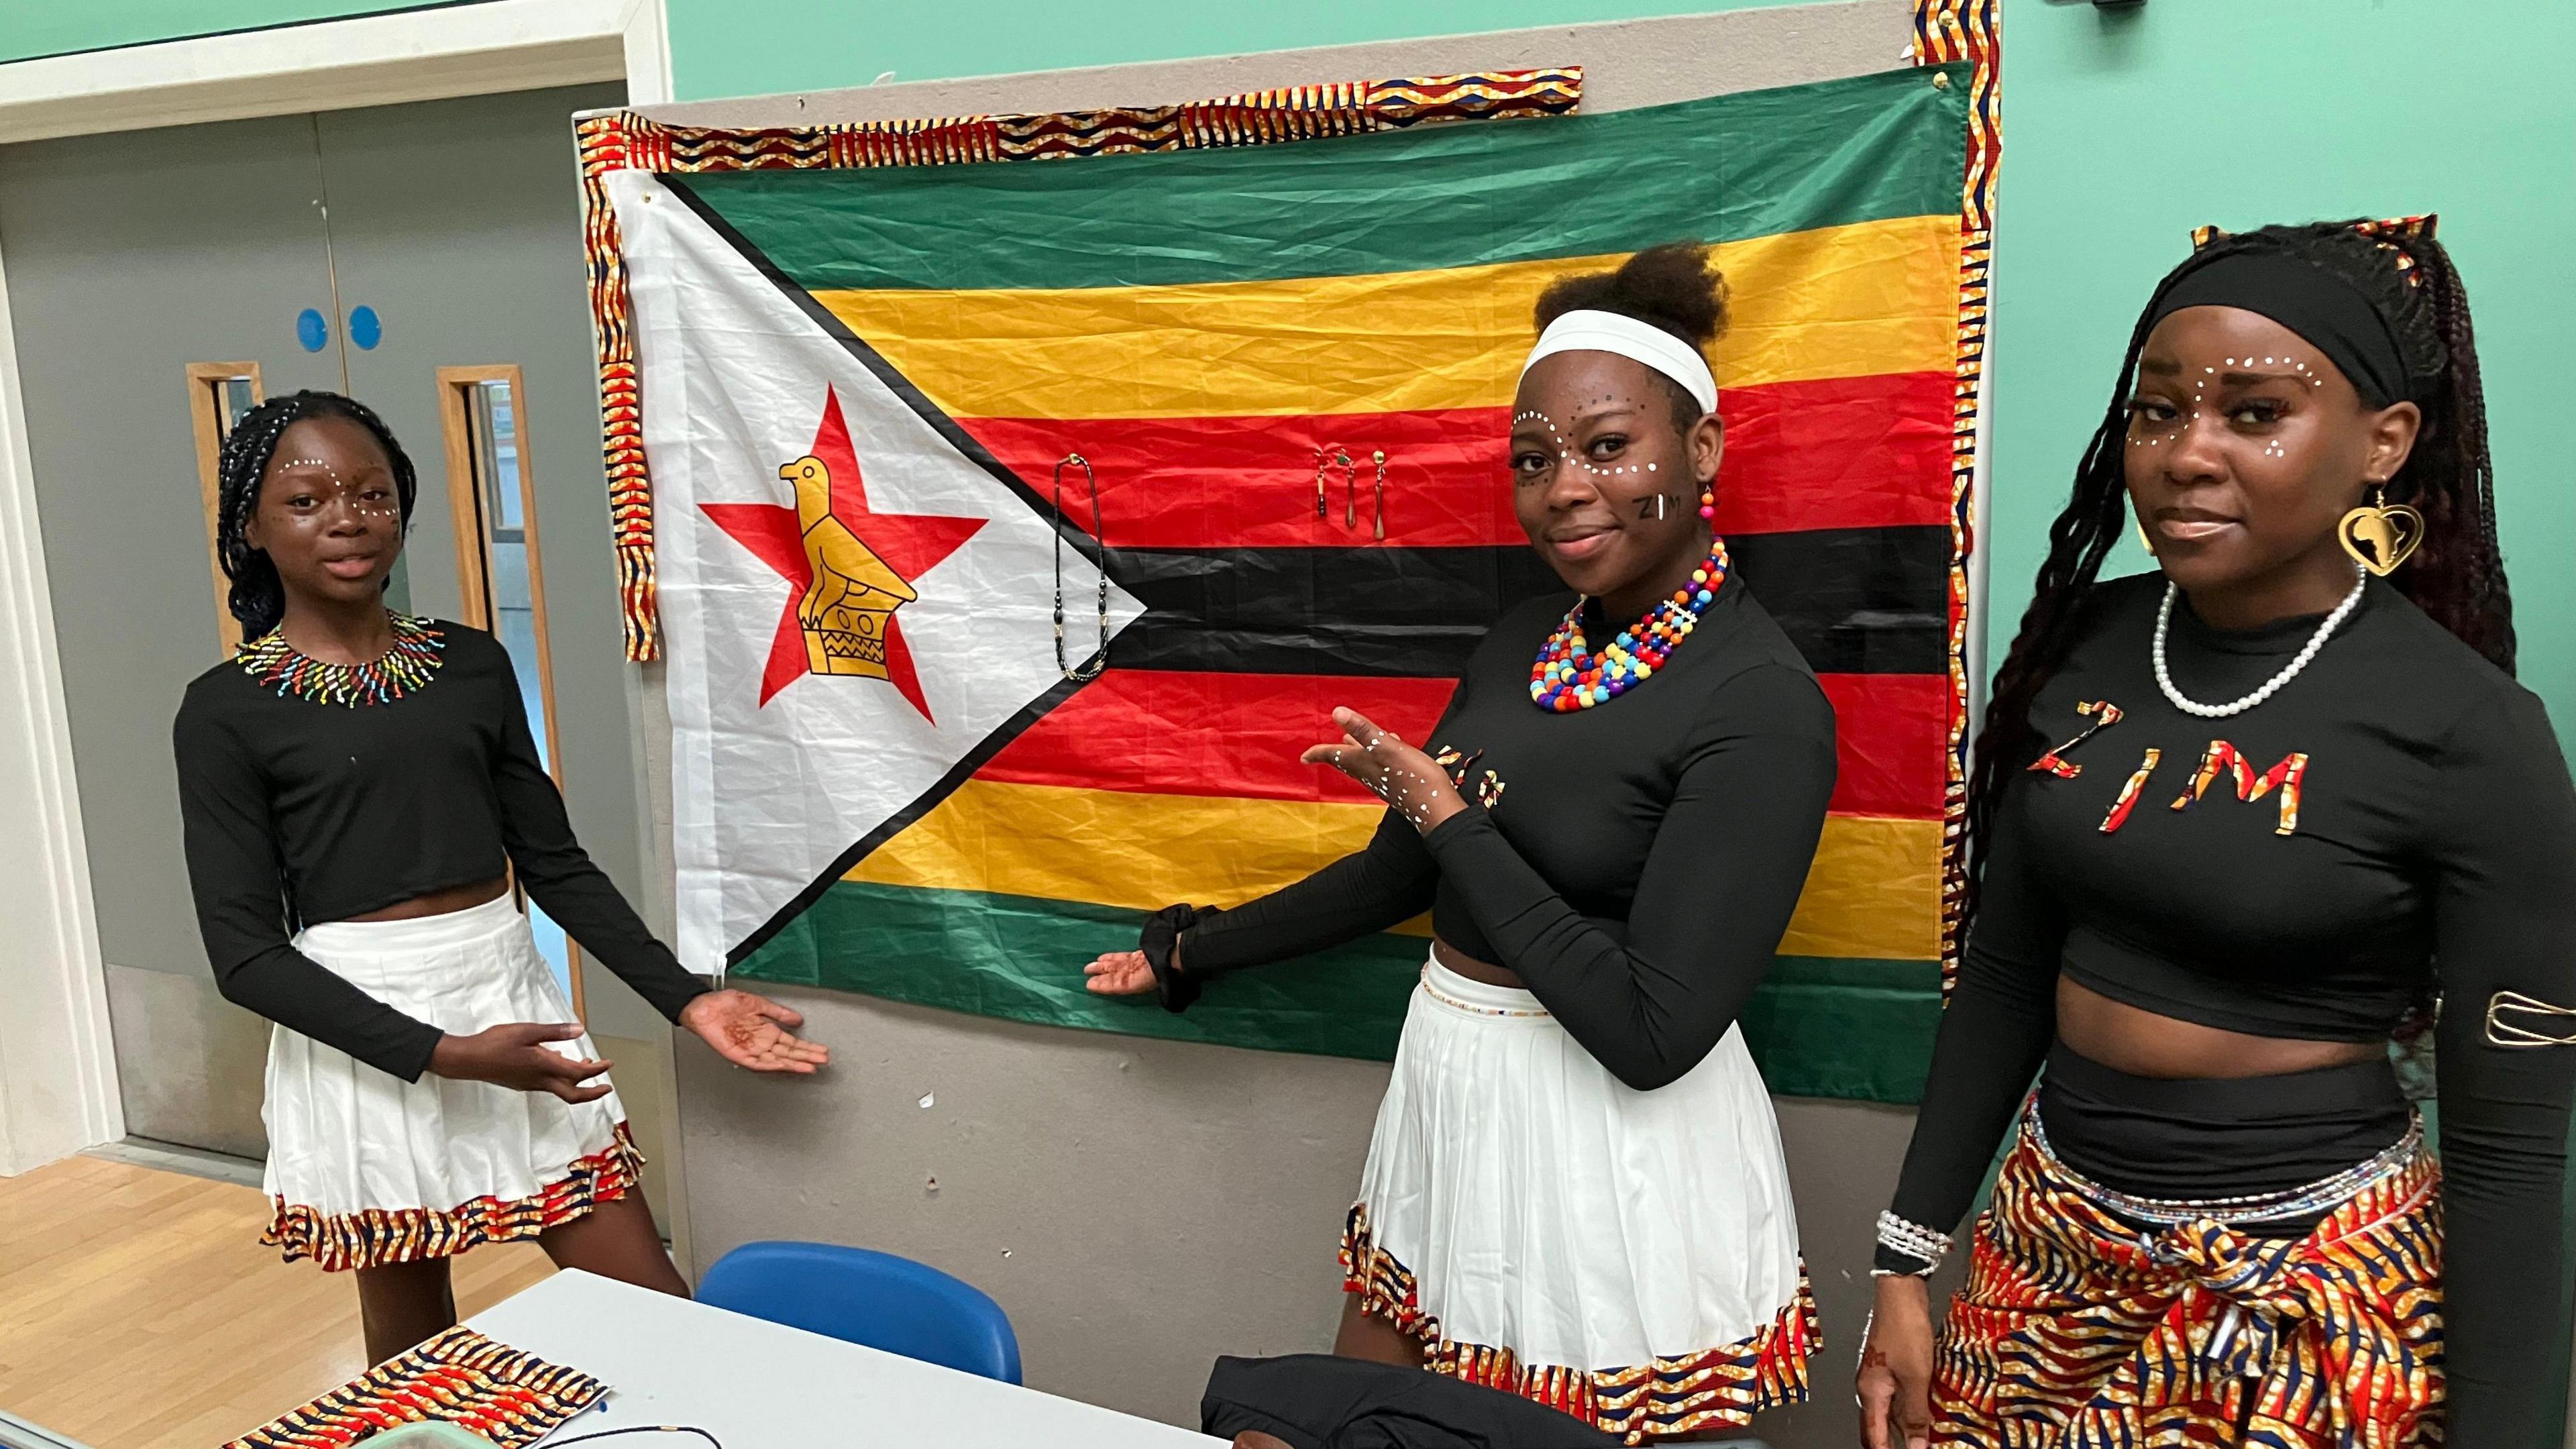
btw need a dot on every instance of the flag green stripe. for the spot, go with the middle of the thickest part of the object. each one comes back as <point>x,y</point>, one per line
<point>1756,163</point>
<point>1819,1027</point>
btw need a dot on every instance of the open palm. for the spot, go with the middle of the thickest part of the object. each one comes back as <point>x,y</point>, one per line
<point>754,1031</point>
<point>1119,973</point>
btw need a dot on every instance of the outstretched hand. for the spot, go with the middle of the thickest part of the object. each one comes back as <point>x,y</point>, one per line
<point>1119,973</point>
<point>1405,778</point>
<point>754,1031</point>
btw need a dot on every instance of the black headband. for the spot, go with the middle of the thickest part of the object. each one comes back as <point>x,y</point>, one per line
<point>2329,312</point>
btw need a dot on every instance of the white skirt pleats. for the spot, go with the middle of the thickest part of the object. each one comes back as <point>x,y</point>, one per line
<point>367,1169</point>
<point>1631,1257</point>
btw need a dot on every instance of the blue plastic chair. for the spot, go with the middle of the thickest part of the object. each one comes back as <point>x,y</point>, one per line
<point>870,1298</point>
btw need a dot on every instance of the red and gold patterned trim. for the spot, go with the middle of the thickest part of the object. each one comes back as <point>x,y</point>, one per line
<point>1669,1398</point>
<point>375,1237</point>
<point>625,141</point>
<point>1947,31</point>
<point>508,1397</point>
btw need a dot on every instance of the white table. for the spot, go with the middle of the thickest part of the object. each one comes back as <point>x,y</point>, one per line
<point>757,1385</point>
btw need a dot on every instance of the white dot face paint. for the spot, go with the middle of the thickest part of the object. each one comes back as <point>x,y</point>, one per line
<point>368,497</point>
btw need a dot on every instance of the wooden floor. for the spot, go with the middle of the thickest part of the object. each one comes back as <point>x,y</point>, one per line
<point>139,1311</point>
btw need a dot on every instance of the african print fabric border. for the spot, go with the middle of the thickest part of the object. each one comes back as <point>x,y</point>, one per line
<point>625,141</point>
<point>375,1237</point>
<point>1717,1388</point>
<point>1947,31</point>
<point>2074,1332</point>
<point>509,1397</point>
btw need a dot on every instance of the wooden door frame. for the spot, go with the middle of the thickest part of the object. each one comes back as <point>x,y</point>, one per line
<point>58,1081</point>
<point>205,419</point>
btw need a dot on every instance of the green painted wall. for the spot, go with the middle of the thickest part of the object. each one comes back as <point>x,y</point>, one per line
<point>31,28</point>
<point>748,47</point>
<point>2123,131</point>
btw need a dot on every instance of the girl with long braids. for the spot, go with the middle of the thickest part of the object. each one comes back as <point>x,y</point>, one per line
<point>1576,1190</point>
<point>2237,824</point>
<point>358,788</point>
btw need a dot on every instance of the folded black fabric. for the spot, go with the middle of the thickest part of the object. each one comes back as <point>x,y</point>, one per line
<point>1320,1401</point>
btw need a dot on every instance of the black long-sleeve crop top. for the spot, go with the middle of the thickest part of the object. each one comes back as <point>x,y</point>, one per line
<point>1635,863</point>
<point>2399,817</point>
<point>297,812</point>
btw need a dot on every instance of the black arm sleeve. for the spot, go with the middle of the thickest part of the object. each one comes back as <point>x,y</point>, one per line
<point>1719,884</point>
<point>560,876</point>
<point>2001,1017</point>
<point>2504,857</point>
<point>1389,882</point>
<point>241,913</point>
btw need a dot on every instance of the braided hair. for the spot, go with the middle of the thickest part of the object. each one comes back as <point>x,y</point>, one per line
<point>1671,287</point>
<point>2457,576</point>
<point>258,598</point>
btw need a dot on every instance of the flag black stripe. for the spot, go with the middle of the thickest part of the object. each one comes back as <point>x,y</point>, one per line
<point>1854,601</point>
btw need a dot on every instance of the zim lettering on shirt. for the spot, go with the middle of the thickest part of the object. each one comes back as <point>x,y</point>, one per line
<point>2285,777</point>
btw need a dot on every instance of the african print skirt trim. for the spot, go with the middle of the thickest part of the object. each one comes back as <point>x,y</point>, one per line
<point>460,1377</point>
<point>2080,1330</point>
<point>374,1237</point>
<point>1718,1388</point>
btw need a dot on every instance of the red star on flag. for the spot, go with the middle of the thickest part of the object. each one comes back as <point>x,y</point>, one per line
<point>911,544</point>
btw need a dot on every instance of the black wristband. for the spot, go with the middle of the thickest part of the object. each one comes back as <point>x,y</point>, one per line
<point>1889,1260</point>
<point>1175,988</point>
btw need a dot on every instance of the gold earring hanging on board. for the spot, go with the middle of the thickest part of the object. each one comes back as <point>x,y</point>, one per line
<point>2380,535</point>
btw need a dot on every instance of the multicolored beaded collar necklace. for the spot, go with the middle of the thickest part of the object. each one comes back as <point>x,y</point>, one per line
<point>1568,676</point>
<point>273,664</point>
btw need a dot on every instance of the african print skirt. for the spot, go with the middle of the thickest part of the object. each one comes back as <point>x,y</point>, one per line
<point>367,1169</point>
<point>1628,1257</point>
<point>2081,1329</point>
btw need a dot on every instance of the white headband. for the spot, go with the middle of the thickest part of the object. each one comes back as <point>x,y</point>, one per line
<point>1587,331</point>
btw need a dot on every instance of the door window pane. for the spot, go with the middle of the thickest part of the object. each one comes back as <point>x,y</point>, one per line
<point>511,601</point>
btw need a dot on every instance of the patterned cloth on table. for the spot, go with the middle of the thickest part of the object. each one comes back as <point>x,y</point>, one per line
<point>509,1397</point>
<point>2080,1330</point>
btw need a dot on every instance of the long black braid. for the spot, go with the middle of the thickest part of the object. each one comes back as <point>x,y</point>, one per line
<point>2457,576</point>
<point>258,599</point>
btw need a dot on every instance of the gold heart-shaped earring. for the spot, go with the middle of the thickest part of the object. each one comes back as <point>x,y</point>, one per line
<point>2380,535</point>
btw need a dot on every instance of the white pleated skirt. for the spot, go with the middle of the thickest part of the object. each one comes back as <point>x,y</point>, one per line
<point>366,1169</point>
<point>1630,1257</point>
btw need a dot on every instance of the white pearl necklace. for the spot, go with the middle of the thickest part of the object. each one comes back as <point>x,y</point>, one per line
<point>2272,686</point>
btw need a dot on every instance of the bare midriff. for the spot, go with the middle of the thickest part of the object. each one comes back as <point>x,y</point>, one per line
<point>442,903</point>
<point>2129,1039</point>
<point>1471,968</point>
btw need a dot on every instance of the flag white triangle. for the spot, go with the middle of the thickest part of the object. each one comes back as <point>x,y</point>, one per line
<point>767,798</point>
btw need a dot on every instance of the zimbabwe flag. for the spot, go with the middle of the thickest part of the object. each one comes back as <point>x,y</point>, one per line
<point>858,387</point>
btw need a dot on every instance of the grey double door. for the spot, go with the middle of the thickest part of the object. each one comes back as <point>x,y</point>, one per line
<point>455,226</point>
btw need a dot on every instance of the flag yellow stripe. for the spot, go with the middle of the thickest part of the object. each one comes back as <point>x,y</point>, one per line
<point>1860,300</point>
<point>1874,891</point>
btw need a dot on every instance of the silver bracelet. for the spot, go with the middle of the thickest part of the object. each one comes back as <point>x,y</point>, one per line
<point>1914,1241</point>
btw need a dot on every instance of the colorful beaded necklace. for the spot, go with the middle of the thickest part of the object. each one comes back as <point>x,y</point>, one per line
<point>274,664</point>
<point>1568,676</point>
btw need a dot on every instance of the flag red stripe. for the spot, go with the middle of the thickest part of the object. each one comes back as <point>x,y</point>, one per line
<point>1183,733</point>
<point>1846,452</point>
